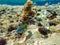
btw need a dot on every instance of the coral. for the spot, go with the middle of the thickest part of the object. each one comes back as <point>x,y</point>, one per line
<point>27,12</point>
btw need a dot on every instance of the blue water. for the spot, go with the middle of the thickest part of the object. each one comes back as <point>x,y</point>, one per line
<point>22,2</point>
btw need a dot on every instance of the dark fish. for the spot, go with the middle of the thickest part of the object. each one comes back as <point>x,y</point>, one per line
<point>52,12</point>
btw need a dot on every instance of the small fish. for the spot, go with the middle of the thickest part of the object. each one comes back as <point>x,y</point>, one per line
<point>21,28</point>
<point>30,34</point>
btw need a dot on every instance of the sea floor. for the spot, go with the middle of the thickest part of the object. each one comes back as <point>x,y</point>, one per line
<point>9,15</point>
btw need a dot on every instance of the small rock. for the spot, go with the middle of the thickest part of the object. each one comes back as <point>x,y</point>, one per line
<point>2,41</point>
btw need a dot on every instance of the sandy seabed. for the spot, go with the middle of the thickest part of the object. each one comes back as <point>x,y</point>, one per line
<point>9,15</point>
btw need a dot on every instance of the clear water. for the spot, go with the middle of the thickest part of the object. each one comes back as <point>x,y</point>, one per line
<point>22,2</point>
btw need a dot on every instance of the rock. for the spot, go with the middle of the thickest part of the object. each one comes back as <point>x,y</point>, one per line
<point>53,28</point>
<point>39,24</point>
<point>42,31</point>
<point>2,41</point>
<point>12,21</point>
<point>39,10</point>
<point>52,24</point>
<point>52,17</point>
<point>10,16</point>
<point>38,14</point>
<point>11,28</point>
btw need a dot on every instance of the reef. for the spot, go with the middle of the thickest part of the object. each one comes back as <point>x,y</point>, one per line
<point>30,24</point>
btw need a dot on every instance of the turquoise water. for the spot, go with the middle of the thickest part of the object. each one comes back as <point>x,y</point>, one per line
<point>22,2</point>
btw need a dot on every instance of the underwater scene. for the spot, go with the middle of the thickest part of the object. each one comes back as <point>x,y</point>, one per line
<point>29,22</point>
